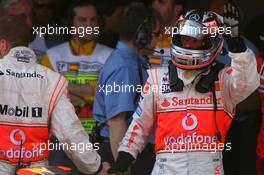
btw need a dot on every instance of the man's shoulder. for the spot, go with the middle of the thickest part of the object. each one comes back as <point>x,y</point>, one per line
<point>111,70</point>
<point>50,74</point>
<point>58,48</point>
<point>103,49</point>
<point>118,72</point>
<point>115,61</point>
<point>116,64</point>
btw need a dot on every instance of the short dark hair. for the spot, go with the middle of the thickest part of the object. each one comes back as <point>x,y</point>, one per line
<point>15,30</point>
<point>77,3</point>
<point>133,16</point>
<point>108,7</point>
<point>177,2</point>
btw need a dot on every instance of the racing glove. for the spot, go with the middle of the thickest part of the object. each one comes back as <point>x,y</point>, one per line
<point>232,21</point>
<point>123,161</point>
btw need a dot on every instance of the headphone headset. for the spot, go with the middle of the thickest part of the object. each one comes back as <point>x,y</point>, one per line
<point>143,35</point>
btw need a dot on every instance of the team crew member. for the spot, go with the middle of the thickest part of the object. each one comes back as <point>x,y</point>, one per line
<point>33,103</point>
<point>126,67</point>
<point>80,59</point>
<point>21,8</point>
<point>170,11</point>
<point>195,104</point>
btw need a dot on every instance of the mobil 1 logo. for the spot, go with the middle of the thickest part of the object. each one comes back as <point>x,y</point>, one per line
<point>36,112</point>
<point>17,111</point>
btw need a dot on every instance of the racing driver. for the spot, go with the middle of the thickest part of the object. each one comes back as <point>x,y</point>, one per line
<point>33,102</point>
<point>191,103</point>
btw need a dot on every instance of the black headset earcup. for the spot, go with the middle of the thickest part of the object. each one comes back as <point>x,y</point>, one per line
<point>143,36</point>
<point>141,40</point>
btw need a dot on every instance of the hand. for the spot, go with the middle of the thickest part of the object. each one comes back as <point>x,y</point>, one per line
<point>122,164</point>
<point>81,90</point>
<point>106,167</point>
<point>75,100</point>
<point>232,18</point>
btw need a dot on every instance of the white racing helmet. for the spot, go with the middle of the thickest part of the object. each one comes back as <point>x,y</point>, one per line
<point>200,25</point>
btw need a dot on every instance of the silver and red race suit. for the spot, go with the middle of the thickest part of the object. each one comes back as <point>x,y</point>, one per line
<point>34,103</point>
<point>186,123</point>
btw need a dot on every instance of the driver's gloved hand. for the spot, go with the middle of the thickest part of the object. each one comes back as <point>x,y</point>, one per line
<point>232,21</point>
<point>123,161</point>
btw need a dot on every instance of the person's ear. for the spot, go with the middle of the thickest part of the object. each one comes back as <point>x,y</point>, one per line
<point>4,47</point>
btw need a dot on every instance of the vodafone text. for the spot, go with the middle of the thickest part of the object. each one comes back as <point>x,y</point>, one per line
<point>23,153</point>
<point>194,142</point>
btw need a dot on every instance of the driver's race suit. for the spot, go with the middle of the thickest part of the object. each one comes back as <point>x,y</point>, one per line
<point>34,103</point>
<point>186,122</point>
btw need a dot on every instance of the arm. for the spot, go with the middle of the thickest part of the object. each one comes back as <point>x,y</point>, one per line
<point>119,103</point>
<point>138,132</point>
<point>80,93</point>
<point>81,90</point>
<point>141,127</point>
<point>68,129</point>
<point>117,129</point>
<point>241,79</point>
